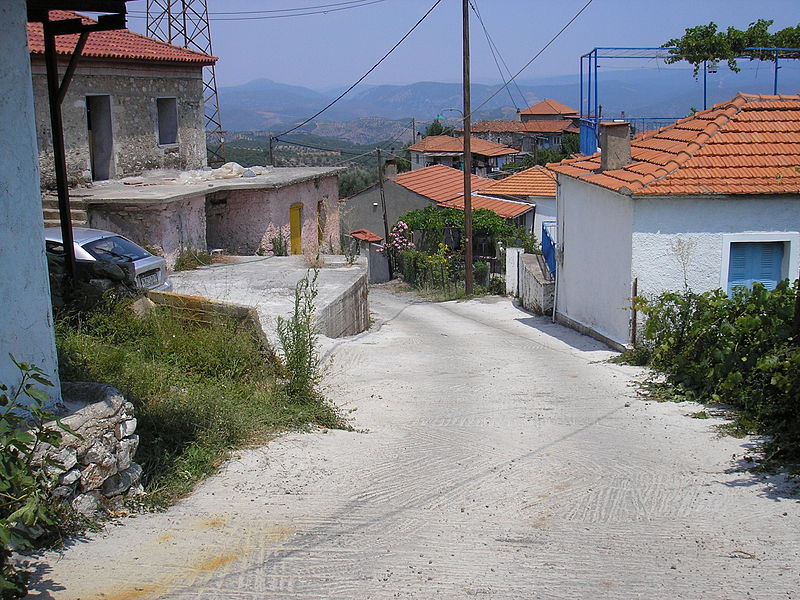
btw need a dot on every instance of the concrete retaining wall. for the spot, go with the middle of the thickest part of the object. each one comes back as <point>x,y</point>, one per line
<point>536,289</point>
<point>205,310</point>
<point>348,313</point>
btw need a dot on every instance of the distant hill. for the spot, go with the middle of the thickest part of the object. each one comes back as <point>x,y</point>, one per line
<point>382,112</point>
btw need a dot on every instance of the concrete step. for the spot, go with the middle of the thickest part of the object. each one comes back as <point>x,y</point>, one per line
<point>52,202</point>
<point>54,221</point>
<point>52,213</point>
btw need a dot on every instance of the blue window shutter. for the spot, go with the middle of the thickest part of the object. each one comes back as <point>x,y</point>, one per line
<point>770,263</point>
<point>755,261</point>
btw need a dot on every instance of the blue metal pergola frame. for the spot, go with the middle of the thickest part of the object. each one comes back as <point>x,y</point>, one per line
<point>590,102</point>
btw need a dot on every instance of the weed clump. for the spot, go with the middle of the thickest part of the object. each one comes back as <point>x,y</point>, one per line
<point>190,259</point>
<point>298,339</point>
<point>199,389</point>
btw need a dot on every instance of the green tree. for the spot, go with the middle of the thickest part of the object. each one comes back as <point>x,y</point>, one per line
<point>570,144</point>
<point>707,43</point>
<point>436,128</point>
<point>354,180</point>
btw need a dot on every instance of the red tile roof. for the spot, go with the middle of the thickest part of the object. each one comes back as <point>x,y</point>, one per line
<point>118,44</point>
<point>366,235</point>
<point>747,145</point>
<point>507,209</point>
<point>549,107</point>
<point>536,181</point>
<point>446,143</point>
<point>439,182</point>
<point>544,126</point>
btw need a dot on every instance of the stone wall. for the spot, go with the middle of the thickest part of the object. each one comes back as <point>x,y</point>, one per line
<point>98,466</point>
<point>133,89</point>
<point>165,227</point>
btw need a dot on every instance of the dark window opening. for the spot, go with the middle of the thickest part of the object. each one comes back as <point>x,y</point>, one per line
<point>167,121</point>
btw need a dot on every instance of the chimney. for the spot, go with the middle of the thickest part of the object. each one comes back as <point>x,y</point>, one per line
<point>615,145</point>
<point>390,169</point>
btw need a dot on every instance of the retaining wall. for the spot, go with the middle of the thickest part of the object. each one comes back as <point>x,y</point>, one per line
<point>97,464</point>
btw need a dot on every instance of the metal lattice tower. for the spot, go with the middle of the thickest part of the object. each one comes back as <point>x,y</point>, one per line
<point>185,23</point>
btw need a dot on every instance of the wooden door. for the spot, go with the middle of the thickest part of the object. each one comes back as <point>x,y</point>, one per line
<point>296,228</point>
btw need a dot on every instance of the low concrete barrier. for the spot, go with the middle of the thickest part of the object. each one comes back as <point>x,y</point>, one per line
<point>536,288</point>
<point>348,313</point>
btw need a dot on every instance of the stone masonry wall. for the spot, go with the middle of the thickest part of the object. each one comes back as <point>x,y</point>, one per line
<point>167,227</point>
<point>133,89</point>
<point>97,466</point>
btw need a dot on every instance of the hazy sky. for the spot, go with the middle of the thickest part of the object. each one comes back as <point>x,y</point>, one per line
<point>333,49</point>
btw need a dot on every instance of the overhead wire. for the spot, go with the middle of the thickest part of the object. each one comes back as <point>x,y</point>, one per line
<point>364,76</point>
<point>142,15</point>
<point>537,55</point>
<point>313,147</point>
<point>495,53</point>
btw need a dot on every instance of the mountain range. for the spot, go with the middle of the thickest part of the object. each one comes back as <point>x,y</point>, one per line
<point>380,112</point>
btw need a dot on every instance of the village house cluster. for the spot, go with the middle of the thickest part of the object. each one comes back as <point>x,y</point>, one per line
<point>710,201</point>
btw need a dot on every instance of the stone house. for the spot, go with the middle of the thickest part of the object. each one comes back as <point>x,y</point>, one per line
<point>134,133</point>
<point>711,201</point>
<point>541,125</point>
<point>487,157</point>
<point>133,104</point>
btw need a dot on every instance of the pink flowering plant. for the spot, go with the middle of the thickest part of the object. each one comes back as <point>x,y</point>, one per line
<point>399,239</point>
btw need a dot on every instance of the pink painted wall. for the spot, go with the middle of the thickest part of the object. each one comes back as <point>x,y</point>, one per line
<point>245,221</point>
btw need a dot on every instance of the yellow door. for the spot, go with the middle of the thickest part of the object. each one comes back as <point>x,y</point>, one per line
<point>296,228</point>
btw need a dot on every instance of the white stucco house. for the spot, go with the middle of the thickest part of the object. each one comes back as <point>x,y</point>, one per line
<point>711,201</point>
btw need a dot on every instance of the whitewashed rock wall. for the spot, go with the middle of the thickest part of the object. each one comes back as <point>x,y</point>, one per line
<point>97,466</point>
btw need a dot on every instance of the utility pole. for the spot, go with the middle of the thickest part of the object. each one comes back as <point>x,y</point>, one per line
<point>271,150</point>
<point>468,277</point>
<point>385,219</point>
<point>413,131</point>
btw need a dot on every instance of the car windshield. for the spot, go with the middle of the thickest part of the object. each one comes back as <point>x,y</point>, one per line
<point>115,249</point>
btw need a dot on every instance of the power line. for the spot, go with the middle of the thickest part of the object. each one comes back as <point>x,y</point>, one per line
<point>325,11</point>
<point>277,10</point>
<point>277,139</point>
<point>495,53</point>
<point>527,64</point>
<point>364,76</point>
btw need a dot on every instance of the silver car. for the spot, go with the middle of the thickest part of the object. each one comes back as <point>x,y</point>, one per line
<point>144,269</point>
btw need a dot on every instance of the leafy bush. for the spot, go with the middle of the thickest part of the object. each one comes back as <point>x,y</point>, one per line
<point>25,483</point>
<point>738,350</point>
<point>480,272</point>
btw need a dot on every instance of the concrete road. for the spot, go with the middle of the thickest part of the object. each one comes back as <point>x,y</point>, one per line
<point>498,456</point>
